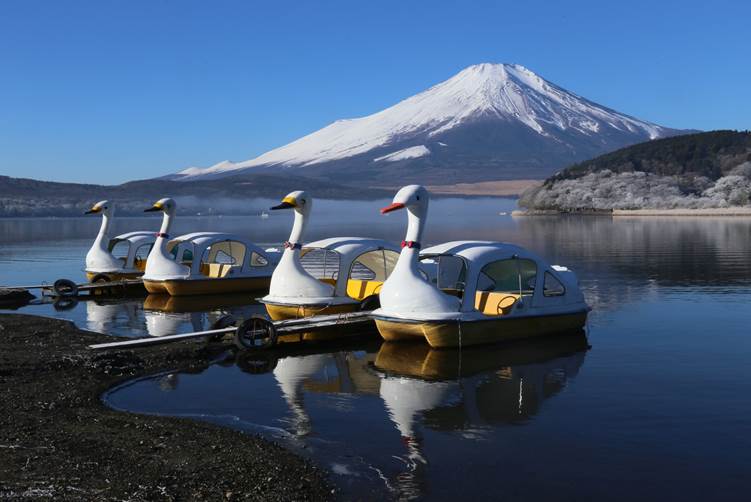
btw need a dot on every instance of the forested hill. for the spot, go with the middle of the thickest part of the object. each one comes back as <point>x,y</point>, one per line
<point>28,197</point>
<point>710,154</point>
<point>711,169</point>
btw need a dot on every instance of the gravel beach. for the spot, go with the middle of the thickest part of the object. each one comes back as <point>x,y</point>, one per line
<point>59,441</point>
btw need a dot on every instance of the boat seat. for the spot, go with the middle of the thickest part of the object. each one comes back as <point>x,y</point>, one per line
<point>327,280</point>
<point>215,270</point>
<point>495,302</point>
<point>359,289</point>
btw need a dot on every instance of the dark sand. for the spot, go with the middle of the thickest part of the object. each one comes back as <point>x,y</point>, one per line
<point>59,441</point>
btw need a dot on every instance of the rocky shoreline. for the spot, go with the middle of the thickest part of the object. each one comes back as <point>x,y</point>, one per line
<point>59,441</point>
<point>716,211</point>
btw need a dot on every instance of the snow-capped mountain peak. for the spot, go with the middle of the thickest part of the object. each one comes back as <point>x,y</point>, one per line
<point>499,95</point>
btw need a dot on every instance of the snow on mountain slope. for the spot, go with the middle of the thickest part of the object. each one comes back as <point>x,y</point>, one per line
<point>502,94</point>
<point>412,152</point>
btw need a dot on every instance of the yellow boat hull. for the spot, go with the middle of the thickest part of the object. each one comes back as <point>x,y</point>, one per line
<point>187,287</point>
<point>452,334</point>
<point>279,312</point>
<point>114,276</point>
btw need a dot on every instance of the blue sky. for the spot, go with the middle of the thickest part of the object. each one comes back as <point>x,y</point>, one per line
<point>107,91</point>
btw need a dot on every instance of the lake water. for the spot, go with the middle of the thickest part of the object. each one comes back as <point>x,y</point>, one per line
<point>653,403</point>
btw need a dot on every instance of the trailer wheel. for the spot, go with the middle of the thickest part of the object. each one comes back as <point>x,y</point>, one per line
<point>256,363</point>
<point>255,332</point>
<point>223,322</point>
<point>100,278</point>
<point>370,303</point>
<point>65,287</point>
<point>65,303</point>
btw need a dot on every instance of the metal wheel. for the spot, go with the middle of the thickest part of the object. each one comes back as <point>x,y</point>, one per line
<point>224,321</point>
<point>100,278</point>
<point>65,287</point>
<point>257,332</point>
<point>65,303</point>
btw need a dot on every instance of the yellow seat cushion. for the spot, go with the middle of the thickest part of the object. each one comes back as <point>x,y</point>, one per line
<point>215,270</point>
<point>495,302</point>
<point>360,290</point>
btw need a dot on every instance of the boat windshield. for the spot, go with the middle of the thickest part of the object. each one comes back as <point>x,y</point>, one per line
<point>321,263</point>
<point>447,272</point>
<point>119,248</point>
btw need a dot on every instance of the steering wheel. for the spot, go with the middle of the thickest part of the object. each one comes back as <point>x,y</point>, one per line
<point>505,304</point>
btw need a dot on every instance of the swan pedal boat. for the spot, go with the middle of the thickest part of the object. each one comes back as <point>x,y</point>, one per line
<point>465,293</point>
<point>330,276</point>
<point>202,263</point>
<point>354,267</point>
<point>132,249</point>
<point>213,263</point>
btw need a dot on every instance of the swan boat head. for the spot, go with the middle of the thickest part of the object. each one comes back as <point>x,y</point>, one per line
<point>161,265</point>
<point>290,282</point>
<point>122,256</point>
<point>407,291</point>
<point>99,259</point>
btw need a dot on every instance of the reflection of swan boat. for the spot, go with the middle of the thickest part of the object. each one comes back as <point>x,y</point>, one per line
<point>466,390</point>
<point>494,381</point>
<point>132,248</point>
<point>421,361</point>
<point>166,315</point>
<point>167,303</point>
<point>468,293</point>
<point>341,274</point>
<point>331,373</point>
<point>204,262</point>
<point>100,316</point>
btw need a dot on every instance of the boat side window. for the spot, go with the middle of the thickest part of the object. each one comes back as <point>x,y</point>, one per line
<point>181,249</point>
<point>374,265</point>
<point>142,253</point>
<point>323,264</point>
<point>510,275</point>
<point>502,285</point>
<point>552,286</point>
<point>258,260</point>
<point>119,249</point>
<point>447,272</point>
<point>220,257</point>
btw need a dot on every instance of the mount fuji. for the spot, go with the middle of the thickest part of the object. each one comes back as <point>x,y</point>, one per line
<point>488,122</point>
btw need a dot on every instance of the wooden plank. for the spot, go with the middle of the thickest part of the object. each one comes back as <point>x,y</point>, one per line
<point>156,340</point>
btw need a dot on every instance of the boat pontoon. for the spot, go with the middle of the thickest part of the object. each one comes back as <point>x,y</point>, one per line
<point>472,292</point>
<point>340,274</point>
<point>118,258</point>
<point>205,262</point>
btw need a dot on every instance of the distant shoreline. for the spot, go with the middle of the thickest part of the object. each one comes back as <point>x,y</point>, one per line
<point>713,211</point>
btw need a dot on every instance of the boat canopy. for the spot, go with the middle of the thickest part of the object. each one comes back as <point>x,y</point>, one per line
<point>213,254</point>
<point>132,249</point>
<point>475,270</point>
<point>350,263</point>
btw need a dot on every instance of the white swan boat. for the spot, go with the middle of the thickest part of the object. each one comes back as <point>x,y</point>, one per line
<point>121,257</point>
<point>204,262</point>
<point>466,293</point>
<point>340,274</point>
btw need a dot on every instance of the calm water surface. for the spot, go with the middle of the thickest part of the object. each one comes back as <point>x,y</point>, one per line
<point>652,403</point>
